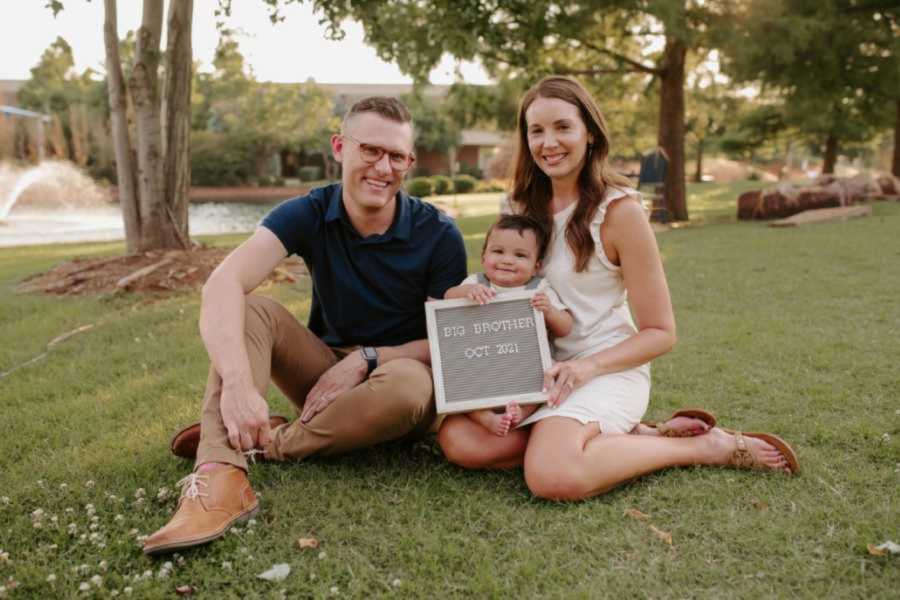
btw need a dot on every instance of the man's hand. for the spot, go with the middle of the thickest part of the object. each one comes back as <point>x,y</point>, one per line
<point>245,414</point>
<point>340,378</point>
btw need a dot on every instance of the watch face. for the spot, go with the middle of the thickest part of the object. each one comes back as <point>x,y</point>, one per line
<point>369,353</point>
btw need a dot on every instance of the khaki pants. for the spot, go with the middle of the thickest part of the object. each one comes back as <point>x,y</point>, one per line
<point>396,401</point>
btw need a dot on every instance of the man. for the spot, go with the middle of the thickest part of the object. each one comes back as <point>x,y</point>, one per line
<point>358,373</point>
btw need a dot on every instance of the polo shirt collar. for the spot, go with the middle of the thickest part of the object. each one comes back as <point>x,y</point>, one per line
<point>401,228</point>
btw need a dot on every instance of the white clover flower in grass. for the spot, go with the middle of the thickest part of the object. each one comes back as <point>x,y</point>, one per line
<point>4,556</point>
<point>162,494</point>
<point>37,524</point>
<point>113,593</point>
<point>127,591</point>
<point>97,581</point>
<point>101,545</point>
<point>4,499</point>
<point>334,590</point>
<point>133,531</point>
<point>51,578</point>
<point>89,483</point>
<point>64,486</point>
<point>94,526</point>
<point>70,510</point>
<point>226,565</point>
<point>118,518</point>
<point>103,565</point>
<point>84,587</point>
<point>396,583</point>
<point>140,493</point>
<point>38,513</point>
<point>322,555</point>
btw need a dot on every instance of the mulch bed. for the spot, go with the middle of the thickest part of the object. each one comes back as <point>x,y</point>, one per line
<point>147,272</point>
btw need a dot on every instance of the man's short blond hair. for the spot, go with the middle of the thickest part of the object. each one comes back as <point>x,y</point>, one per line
<point>388,107</point>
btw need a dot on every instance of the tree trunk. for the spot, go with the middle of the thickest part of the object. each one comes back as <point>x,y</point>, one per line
<point>176,122</point>
<point>144,88</point>
<point>831,147</point>
<point>895,164</point>
<point>671,125</point>
<point>698,172</point>
<point>118,109</point>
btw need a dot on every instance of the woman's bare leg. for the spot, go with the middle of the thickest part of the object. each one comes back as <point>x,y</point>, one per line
<point>566,460</point>
<point>468,444</point>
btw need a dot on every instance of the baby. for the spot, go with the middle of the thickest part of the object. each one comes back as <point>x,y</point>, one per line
<point>512,253</point>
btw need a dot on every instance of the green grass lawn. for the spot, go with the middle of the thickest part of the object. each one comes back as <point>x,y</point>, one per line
<point>795,331</point>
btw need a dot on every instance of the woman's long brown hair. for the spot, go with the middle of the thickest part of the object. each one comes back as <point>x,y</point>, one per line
<point>532,190</point>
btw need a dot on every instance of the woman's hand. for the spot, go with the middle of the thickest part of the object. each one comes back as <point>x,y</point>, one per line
<point>563,377</point>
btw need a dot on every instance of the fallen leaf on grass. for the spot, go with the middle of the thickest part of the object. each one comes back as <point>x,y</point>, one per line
<point>277,573</point>
<point>184,590</point>
<point>760,505</point>
<point>636,514</point>
<point>663,535</point>
<point>304,543</point>
<point>884,549</point>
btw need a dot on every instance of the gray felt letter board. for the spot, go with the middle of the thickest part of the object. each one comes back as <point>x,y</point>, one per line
<point>486,356</point>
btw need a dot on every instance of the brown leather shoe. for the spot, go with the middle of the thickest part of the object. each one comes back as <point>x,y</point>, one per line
<point>185,442</point>
<point>211,502</point>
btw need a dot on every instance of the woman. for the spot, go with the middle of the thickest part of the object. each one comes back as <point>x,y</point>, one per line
<point>604,263</point>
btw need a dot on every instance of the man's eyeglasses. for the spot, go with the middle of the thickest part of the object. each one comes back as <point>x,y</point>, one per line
<point>372,154</point>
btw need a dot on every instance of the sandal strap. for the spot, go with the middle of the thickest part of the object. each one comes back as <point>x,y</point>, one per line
<point>742,457</point>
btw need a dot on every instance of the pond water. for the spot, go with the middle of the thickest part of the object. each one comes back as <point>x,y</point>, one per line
<point>24,226</point>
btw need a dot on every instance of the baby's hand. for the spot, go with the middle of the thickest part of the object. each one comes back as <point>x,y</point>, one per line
<point>480,293</point>
<point>541,302</point>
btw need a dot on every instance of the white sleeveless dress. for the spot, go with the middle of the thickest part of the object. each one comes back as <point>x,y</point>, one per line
<point>598,302</point>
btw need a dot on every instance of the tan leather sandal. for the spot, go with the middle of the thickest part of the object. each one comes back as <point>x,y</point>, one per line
<point>743,457</point>
<point>691,413</point>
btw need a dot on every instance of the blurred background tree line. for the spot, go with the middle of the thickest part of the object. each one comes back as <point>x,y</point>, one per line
<point>777,83</point>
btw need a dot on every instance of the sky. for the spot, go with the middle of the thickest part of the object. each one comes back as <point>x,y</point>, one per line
<point>291,51</point>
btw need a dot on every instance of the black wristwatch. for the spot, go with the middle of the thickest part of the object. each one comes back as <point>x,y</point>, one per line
<point>370,355</point>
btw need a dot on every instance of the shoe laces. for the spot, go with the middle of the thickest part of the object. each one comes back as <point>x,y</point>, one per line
<point>191,485</point>
<point>252,453</point>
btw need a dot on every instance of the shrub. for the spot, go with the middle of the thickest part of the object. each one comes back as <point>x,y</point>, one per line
<point>279,182</point>
<point>442,184</point>
<point>309,173</point>
<point>420,187</point>
<point>491,185</point>
<point>464,184</point>
<point>471,170</point>
<point>220,159</point>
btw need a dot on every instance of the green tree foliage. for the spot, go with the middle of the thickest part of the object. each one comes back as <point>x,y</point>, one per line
<point>436,130</point>
<point>266,117</point>
<point>833,63</point>
<point>528,38</point>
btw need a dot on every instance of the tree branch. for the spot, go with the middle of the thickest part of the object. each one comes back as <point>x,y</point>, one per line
<point>636,66</point>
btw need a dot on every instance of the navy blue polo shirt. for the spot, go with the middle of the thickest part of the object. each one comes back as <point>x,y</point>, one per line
<point>370,290</point>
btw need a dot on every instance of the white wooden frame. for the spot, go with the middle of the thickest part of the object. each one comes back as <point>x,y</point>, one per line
<point>493,401</point>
